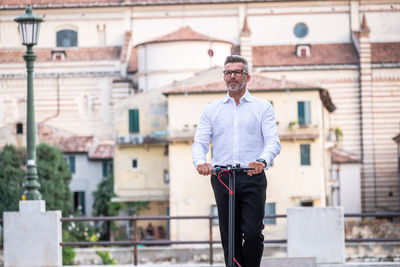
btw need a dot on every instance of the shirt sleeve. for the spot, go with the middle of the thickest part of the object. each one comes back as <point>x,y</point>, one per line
<point>272,145</point>
<point>202,139</point>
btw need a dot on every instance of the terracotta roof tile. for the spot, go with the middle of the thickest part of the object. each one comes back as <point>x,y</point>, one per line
<point>104,150</point>
<point>76,144</point>
<point>321,54</point>
<point>213,82</point>
<point>72,54</point>
<point>385,52</point>
<point>182,34</point>
<point>341,156</point>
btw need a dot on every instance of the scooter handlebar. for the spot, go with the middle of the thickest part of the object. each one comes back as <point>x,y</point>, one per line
<point>216,169</point>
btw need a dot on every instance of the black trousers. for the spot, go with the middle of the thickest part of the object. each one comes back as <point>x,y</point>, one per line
<point>250,199</point>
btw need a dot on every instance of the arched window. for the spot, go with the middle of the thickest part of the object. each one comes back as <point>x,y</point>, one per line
<point>67,38</point>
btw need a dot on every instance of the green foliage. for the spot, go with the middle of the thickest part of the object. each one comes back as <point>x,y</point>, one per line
<point>68,255</point>
<point>54,179</point>
<point>102,205</point>
<point>106,258</point>
<point>12,177</point>
<point>76,231</point>
<point>53,172</point>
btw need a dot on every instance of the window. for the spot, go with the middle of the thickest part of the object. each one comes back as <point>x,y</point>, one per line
<point>135,164</point>
<point>300,30</point>
<point>305,155</point>
<point>303,50</point>
<point>304,113</point>
<point>67,38</point>
<point>79,202</point>
<point>19,128</point>
<point>107,168</point>
<point>133,120</point>
<point>71,161</point>
<point>269,209</point>
<point>166,177</point>
<point>306,203</point>
<point>214,212</point>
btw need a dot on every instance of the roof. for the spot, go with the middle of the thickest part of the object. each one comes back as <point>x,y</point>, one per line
<point>211,81</point>
<point>71,54</point>
<point>385,52</point>
<point>320,54</point>
<point>341,156</point>
<point>76,144</point>
<point>104,150</point>
<point>96,3</point>
<point>182,34</point>
<point>323,54</point>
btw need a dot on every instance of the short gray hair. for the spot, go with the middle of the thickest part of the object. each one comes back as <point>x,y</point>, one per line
<point>237,58</point>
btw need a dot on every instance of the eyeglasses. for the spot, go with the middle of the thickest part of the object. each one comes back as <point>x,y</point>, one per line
<point>237,73</point>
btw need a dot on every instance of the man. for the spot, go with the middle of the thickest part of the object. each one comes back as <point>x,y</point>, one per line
<point>243,131</point>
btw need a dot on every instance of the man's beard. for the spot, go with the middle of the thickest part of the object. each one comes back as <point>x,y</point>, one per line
<point>236,87</point>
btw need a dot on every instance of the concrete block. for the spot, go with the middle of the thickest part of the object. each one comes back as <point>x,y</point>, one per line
<point>286,262</point>
<point>316,232</point>
<point>32,236</point>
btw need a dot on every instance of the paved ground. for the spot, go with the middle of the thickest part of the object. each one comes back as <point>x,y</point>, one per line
<point>350,264</point>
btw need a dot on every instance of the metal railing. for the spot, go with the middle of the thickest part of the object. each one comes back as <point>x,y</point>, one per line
<point>135,242</point>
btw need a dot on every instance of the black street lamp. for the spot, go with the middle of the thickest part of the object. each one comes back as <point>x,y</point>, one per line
<point>29,25</point>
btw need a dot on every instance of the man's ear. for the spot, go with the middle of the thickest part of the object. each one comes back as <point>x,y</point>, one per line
<point>248,78</point>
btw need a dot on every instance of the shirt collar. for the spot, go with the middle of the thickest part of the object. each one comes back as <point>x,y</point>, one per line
<point>247,96</point>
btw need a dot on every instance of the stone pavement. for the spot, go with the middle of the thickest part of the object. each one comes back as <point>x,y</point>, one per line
<point>270,264</point>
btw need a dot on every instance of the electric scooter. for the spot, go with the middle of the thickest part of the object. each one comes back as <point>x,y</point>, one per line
<point>231,170</point>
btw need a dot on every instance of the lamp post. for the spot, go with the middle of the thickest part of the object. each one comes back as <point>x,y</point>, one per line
<point>29,25</point>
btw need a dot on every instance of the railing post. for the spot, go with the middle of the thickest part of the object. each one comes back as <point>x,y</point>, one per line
<point>135,239</point>
<point>211,239</point>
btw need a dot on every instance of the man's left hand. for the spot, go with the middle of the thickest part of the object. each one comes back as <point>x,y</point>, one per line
<point>257,166</point>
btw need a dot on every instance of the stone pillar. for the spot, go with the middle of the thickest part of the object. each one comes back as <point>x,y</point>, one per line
<point>316,232</point>
<point>32,236</point>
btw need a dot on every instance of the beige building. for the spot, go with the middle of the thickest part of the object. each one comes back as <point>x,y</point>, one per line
<point>95,58</point>
<point>299,173</point>
<point>141,170</point>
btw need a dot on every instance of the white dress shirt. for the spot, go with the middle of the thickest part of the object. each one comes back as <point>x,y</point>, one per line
<point>239,133</point>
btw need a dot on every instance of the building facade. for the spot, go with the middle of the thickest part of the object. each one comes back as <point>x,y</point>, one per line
<point>96,57</point>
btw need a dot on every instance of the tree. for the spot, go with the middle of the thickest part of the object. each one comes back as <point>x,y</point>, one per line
<point>54,178</point>
<point>53,172</point>
<point>102,205</point>
<point>12,177</point>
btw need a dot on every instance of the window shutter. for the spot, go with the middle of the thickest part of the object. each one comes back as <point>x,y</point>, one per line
<point>305,155</point>
<point>300,112</point>
<point>72,164</point>
<point>133,120</point>
<point>304,112</point>
<point>105,168</point>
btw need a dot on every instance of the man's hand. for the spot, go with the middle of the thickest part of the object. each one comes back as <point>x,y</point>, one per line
<point>258,168</point>
<point>204,169</point>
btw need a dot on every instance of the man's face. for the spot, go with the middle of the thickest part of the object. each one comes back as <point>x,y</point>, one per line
<point>235,82</point>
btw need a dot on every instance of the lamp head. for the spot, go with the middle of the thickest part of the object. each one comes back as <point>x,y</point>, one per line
<point>29,25</point>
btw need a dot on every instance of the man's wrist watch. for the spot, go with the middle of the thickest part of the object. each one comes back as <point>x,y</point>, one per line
<point>263,161</point>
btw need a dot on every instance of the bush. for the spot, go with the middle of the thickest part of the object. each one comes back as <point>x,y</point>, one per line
<point>106,257</point>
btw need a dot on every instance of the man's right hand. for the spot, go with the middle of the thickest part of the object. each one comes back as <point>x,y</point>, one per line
<point>204,169</point>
